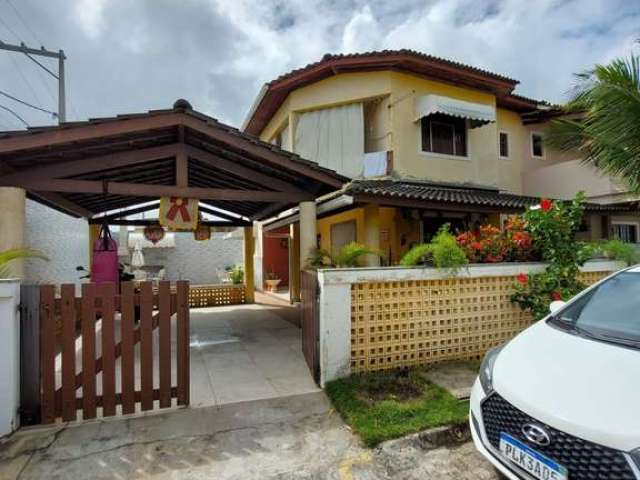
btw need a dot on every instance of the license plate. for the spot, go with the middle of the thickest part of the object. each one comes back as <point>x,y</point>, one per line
<point>532,462</point>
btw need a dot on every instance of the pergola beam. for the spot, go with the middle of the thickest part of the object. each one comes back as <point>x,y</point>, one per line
<point>235,168</point>
<point>62,203</point>
<point>92,164</point>
<point>155,191</point>
<point>216,213</point>
<point>131,211</point>
<point>147,221</point>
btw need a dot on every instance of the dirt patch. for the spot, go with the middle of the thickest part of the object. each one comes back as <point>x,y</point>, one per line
<point>394,385</point>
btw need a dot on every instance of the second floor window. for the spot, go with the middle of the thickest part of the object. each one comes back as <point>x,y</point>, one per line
<point>537,148</point>
<point>444,134</point>
<point>504,145</point>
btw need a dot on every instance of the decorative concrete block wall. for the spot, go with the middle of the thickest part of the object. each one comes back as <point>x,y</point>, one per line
<point>380,318</point>
<point>64,239</point>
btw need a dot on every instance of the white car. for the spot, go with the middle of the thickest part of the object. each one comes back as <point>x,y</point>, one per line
<point>562,399</point>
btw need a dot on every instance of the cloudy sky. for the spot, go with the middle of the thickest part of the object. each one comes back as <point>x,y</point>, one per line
<point>136,55</point>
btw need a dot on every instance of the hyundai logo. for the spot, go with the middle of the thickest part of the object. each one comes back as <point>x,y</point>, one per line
<point>536,434</point>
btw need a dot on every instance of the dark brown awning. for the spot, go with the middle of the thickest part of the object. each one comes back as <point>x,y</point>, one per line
<point>85,168</point>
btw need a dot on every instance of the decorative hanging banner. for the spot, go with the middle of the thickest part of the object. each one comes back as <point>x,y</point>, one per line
<point>153,233</point>
<point>202,233</point>
<point>178,213</point>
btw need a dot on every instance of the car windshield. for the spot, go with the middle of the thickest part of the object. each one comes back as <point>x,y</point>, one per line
<point>609,312</point>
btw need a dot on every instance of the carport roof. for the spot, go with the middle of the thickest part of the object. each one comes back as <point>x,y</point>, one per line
<point>86,168</point>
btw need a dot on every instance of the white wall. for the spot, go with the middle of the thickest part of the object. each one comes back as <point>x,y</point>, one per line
<point>62,238</point>
<point>197,262</point>
<point>9,356</point>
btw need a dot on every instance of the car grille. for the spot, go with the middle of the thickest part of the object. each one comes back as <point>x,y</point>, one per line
<point>583,459</point>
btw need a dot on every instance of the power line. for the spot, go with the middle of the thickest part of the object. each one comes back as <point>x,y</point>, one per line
<point>14,114</point>
<point>22,20</point>
<point>15,99</point>
<point>10,29</point>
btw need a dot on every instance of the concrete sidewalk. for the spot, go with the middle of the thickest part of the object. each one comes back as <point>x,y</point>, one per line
<point>298,437</point>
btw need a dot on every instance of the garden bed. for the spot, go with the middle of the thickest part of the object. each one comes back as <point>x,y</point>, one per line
<point>385,405</point>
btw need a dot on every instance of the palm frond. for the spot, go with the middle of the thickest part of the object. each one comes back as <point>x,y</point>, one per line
<point>7,256</point>
<point>608,132</point>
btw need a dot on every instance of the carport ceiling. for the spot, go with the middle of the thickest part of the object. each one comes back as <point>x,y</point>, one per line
<point>87,168</point>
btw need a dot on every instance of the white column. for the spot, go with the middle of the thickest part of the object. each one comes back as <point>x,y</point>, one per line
<point>307,230</point>
<point>9,356</point>
<point>12,225</point>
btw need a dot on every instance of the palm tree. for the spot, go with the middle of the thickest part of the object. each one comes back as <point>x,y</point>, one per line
<point>9,255</point>
<point>605,125</point>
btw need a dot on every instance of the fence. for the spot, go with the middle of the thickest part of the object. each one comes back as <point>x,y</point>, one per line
<point>381,318</point>
<point>80,348</point>
<point>215,295</point>
<point>309,322</point>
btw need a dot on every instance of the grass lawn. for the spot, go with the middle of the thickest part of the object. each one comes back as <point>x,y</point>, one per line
<point>384,405</point>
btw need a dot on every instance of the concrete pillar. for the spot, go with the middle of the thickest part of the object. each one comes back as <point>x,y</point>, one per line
<point>294,254</point>
<point>12,225</point>
<point>9,356</point>
<point>372,232</point>
<point>248,264</point>
<point>307,231</point>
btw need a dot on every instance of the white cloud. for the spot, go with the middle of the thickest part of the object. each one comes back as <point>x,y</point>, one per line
<point>133,56</point>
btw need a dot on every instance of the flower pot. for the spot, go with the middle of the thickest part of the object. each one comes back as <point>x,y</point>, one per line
<point>272,285</point>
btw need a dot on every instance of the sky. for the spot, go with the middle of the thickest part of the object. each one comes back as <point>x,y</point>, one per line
<point>128,56</point>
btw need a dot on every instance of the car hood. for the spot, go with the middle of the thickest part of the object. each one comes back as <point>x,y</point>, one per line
<point>583,387</point>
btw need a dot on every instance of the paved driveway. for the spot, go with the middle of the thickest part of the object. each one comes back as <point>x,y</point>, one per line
<point>297,437</point>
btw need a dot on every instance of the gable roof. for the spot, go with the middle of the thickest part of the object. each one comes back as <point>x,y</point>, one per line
<point>85,168</point>
<point>276,91</point>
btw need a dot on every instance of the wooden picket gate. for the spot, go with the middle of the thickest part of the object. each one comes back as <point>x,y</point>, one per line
<point>67,325</point>
<point>310,322</point>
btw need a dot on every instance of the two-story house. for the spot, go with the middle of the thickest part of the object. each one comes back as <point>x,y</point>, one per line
<point>426,141</point>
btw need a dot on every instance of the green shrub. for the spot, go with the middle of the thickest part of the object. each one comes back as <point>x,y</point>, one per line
<point>418,255</point>
<point>618,250</point>
<point>350,254</point>
<point>443,252</point>
<point>319,258</point>
<point>447,254</point>
<point>236,275</point>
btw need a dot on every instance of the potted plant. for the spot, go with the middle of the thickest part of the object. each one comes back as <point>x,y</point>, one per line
<point>272,280</point>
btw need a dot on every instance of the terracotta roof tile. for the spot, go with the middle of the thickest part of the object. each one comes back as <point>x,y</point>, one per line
<point>453,194</point>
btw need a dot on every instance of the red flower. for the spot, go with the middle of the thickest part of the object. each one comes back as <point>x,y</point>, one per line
<point>546,204</point>
<point>556,296</point>
<point>522,278</point>
<point>476,246</point>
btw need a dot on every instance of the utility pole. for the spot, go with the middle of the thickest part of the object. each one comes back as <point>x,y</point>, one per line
<point>43,52</point>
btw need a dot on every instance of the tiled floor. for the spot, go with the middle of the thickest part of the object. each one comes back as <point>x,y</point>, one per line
<point>245,352</point>
<point>238,353</point>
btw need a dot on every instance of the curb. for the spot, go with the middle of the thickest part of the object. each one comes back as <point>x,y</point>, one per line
<point>446,436</point>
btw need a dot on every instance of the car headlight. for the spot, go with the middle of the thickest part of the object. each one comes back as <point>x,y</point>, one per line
<point>486,369</point>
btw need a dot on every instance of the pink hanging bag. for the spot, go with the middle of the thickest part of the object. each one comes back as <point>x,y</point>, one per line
<point>104,267</point>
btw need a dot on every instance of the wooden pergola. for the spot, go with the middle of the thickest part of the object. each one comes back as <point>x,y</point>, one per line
<point>87,168</point>
<point>112,168</point>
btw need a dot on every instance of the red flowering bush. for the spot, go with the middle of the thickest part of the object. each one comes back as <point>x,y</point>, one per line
<point>491,245</point>
<point>552,228</point>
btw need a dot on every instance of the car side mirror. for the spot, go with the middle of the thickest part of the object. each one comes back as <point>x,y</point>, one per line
<point>556,305</point>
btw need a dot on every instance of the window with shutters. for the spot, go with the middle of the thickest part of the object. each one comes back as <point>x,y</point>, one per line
<point>444,134</point>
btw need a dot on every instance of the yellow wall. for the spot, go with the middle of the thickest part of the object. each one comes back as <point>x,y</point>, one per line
<point>393,230</point>
<point>391,125</point>
<point>481,164</point>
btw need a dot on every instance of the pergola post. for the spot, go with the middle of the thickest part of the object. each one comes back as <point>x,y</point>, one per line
<point>248,264</point>
<point>294,274</point>
<point>12,225</point>
<point>307,231</point>
<point>372,232</point>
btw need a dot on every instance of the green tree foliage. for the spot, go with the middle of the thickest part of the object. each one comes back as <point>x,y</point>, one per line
<point>8,256</point>
<point>606,127</point>
<point>443,252</point>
